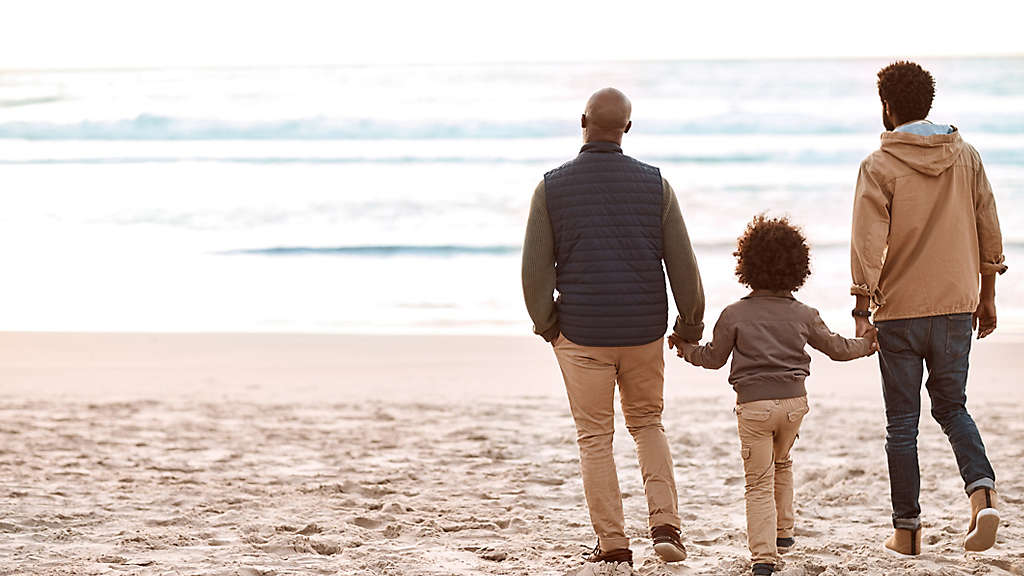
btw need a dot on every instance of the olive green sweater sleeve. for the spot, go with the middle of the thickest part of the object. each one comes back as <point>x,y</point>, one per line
<point>682,270</point>
<point>539,267</point>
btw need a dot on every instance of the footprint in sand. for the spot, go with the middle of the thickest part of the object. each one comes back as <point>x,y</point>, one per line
<point>706,537</point>
<point>364,522</point>
<point>617,569</point>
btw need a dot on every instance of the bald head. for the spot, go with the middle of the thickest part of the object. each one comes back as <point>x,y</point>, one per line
<point>606,116</point>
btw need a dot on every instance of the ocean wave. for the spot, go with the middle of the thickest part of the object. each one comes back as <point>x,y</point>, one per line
<point>447,250</point>
<point>816,157</point>
<point>153,127</point>
<point>31,101</point>
<point>669,158</point>
<point>378,251</point>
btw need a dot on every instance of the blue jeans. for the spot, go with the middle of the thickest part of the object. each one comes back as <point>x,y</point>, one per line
<point>943,343</point>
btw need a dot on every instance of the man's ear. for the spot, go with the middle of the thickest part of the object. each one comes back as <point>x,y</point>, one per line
<point>583,120</point>
<point>628,126</point>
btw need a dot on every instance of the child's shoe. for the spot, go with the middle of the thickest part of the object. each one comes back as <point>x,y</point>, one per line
<point>904,543</point>
<point>763,569</point>
<point>668,544</point>
<point>984,521</point>
<point>784,545</point>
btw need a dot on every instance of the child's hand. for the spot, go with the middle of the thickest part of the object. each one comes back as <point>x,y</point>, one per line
<point>685,348</point>
<point>682,346</point>
<point>676,341</point>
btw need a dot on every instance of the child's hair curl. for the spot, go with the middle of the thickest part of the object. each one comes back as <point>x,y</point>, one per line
<point>772,254</point>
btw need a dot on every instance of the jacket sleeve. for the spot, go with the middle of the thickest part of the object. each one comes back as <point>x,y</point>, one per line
<point>681,267</point>
<point>539,268</point>
<point>990,238</point>
<point>871,216</point>
<point>714,354</point>
<point>836,347</point>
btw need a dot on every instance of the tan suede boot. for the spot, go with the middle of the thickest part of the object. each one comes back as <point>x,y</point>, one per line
<point>984,521</point>
<point>905,543</point>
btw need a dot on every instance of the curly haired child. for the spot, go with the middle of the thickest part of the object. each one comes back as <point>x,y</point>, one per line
<point>766,333</point>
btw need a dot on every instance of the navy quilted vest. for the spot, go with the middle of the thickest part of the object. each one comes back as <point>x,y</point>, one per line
<point>606,211</point>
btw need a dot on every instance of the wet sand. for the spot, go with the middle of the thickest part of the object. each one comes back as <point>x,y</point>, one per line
<point>375,455</point>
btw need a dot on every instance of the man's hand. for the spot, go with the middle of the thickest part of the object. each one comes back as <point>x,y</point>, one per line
<point>863,326</point>
<point>985,317</point>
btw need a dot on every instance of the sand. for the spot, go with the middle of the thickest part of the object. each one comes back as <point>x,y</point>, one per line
<point>374,455</point>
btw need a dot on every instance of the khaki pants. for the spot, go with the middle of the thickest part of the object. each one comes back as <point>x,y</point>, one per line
<point>767,430</point>
<point>591,374</point>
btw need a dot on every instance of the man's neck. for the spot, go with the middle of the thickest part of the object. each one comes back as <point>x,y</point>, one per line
<point>590,139</point>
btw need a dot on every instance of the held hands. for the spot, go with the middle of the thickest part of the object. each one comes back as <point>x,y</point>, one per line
<point>865,329</point>
<point>681,346</point>
<point>873,336</point>
<point>985,317</point>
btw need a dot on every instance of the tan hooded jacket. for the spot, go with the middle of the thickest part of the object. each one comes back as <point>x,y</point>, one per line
<point>924,227</point>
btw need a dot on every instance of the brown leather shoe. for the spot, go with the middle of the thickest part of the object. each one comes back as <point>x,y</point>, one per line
<point>620,555</point>
<point>667,543</point>
<point>905,543</point>
<point>984,521</point>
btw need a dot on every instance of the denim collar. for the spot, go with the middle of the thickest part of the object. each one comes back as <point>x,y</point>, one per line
<point>924,128</point>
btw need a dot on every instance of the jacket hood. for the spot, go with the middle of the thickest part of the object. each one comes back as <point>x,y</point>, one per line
<point>930,155</point>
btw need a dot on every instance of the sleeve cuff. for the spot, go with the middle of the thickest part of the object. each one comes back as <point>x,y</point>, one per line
<point>549,334</point>
<point>860,290</point>
<point>690,332</point>
<point>873,295</point>
<point>691,356</point>
<point>988,268</point>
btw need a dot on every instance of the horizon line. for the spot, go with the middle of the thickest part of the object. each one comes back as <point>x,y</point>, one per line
<point>446,63</point>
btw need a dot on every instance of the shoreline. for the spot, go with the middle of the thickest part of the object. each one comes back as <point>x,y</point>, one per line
<point>378,366</point>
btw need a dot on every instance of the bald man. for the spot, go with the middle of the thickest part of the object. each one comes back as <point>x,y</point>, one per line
<point>600,227</point>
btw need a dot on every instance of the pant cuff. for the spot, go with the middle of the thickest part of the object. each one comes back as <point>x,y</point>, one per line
<point>609,544</point>
<point>980,483</point>
<point>785,533</point>
<point>906,523</point>
<point>664,519</point>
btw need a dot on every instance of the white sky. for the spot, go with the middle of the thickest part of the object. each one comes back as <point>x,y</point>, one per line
<point>129,33</point>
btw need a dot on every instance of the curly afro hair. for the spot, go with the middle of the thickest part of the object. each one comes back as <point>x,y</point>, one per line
<point>908,88</point>
<point>772,254</point>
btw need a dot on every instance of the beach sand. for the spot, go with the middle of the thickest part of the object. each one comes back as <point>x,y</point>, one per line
<point>263,455</point>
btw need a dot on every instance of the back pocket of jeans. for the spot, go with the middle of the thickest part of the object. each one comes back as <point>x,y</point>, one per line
<point>959,331</point>
<point>894,335</point>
